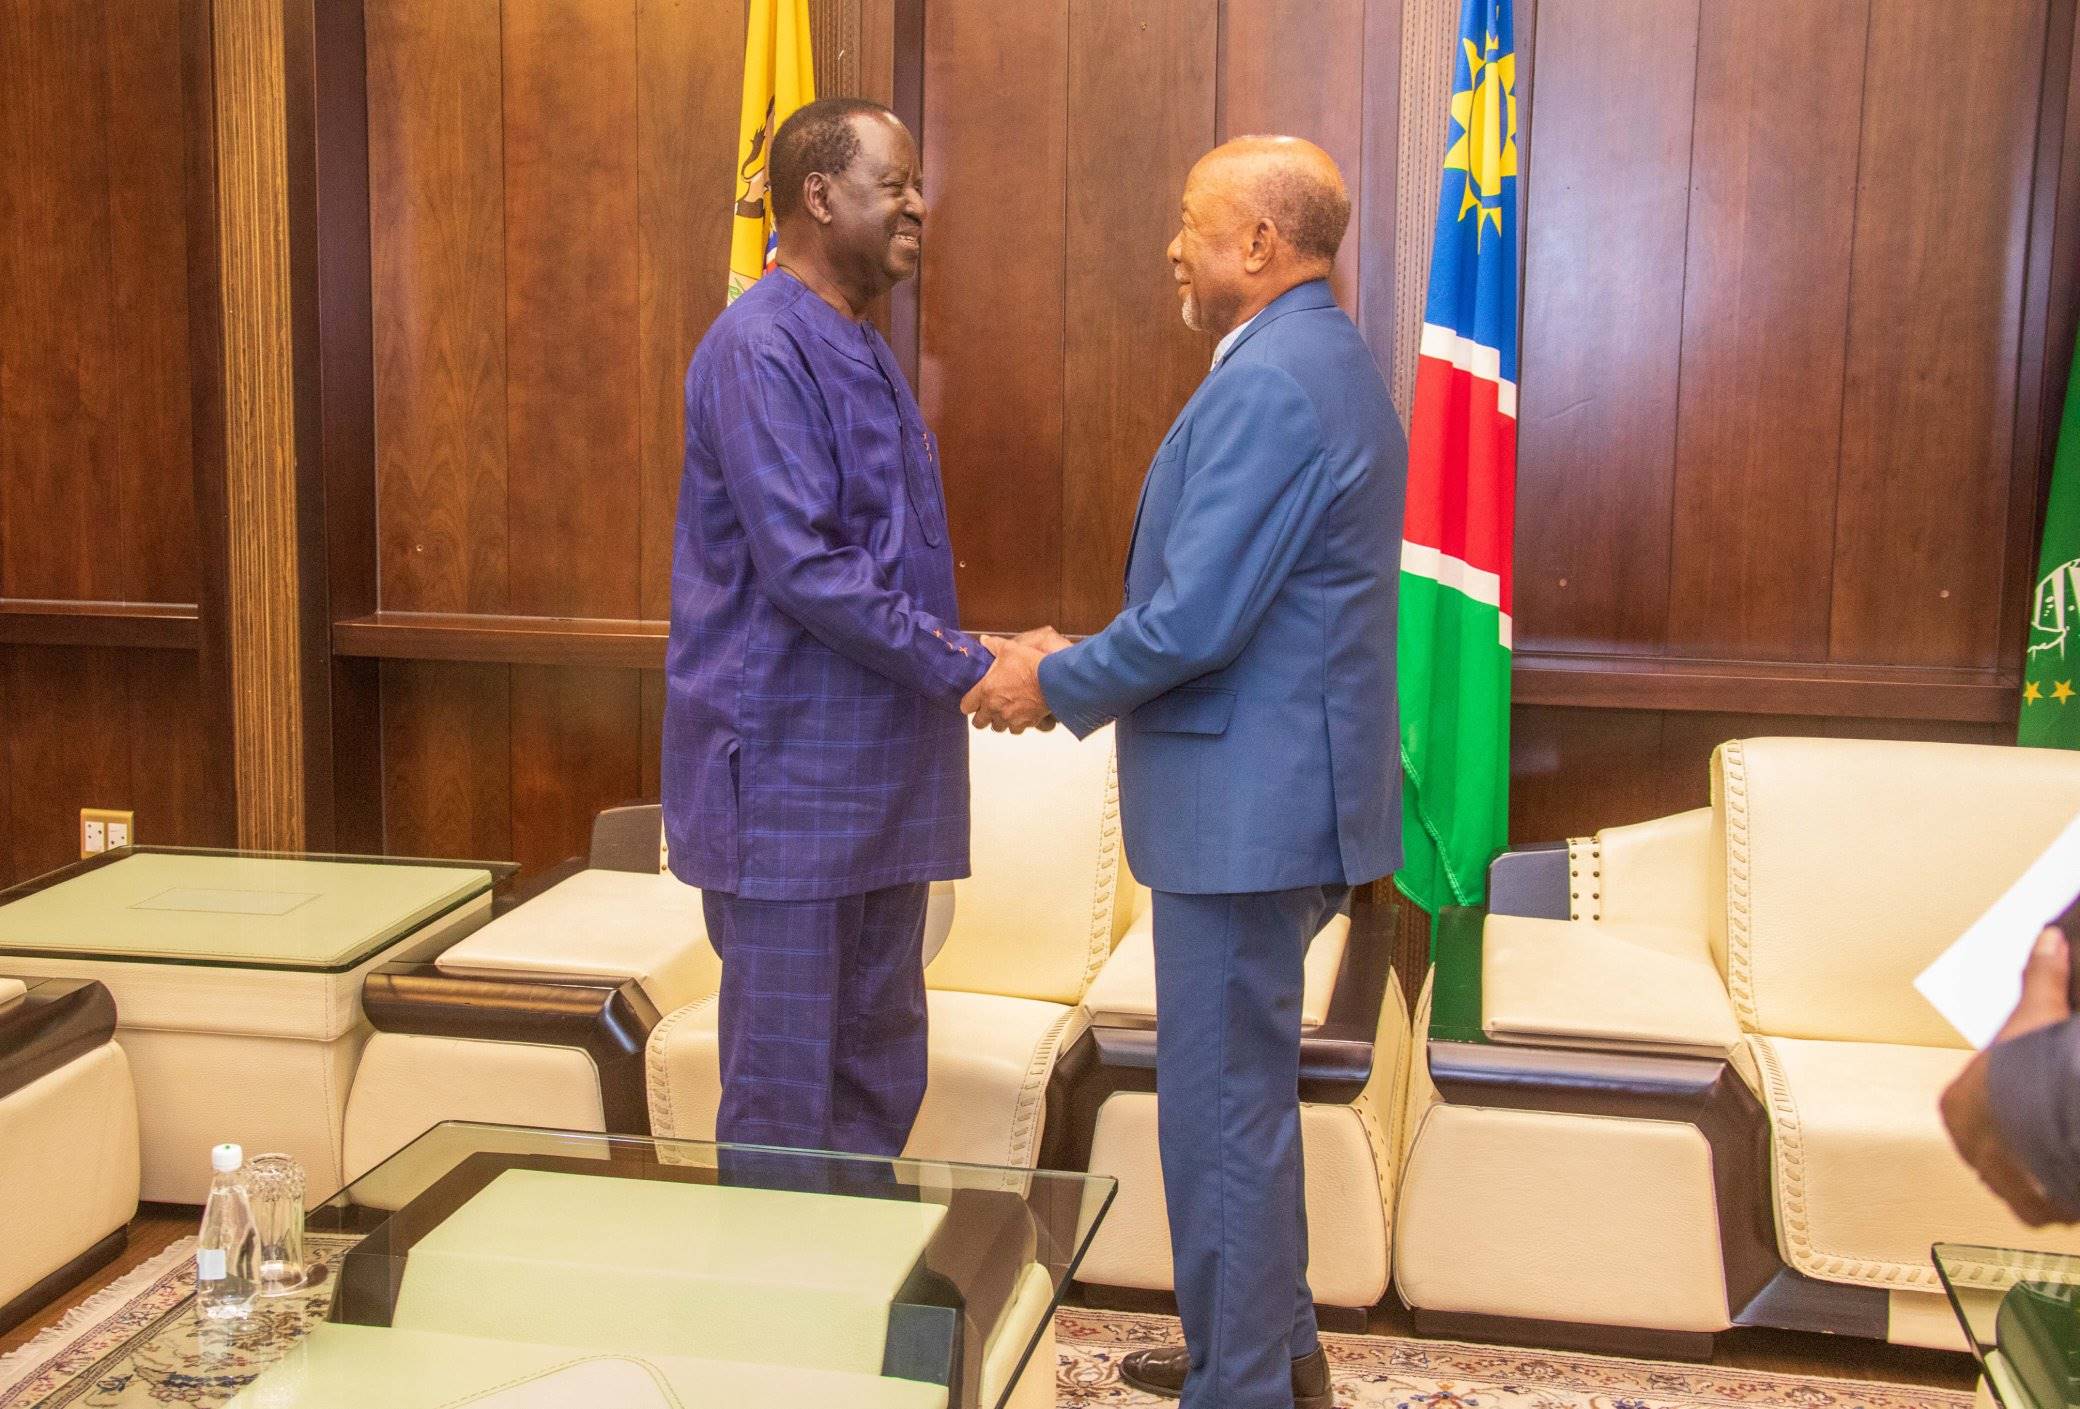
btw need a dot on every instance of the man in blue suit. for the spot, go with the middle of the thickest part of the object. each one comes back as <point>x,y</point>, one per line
<point>1252,676</point>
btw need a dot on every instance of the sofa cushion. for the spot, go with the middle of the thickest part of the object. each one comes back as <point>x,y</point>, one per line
<point>1049,896</point>
<point>69,1151</point>
<point>1637,988</point>
<point>985,1098</point>
<point>1124,992</point>
<point>1865,1176</point>
<point>601,924</point>
<point>1847,865</point>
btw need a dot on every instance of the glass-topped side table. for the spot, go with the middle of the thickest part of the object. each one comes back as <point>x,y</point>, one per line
<point>595,1268</point>
<point>2021,1317</point>
<point>237,981</point>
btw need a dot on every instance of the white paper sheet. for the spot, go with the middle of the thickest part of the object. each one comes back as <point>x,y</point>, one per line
<point>1977,981</point>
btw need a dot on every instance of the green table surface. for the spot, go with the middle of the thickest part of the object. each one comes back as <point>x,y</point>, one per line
<point>323,915</point>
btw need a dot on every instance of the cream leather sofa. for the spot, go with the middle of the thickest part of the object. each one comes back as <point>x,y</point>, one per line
<point>1354,1063</point>
<point>68,1140</point>
<point>1679,1080</point>
<point>1048,900</point>
<point>590,1005</point>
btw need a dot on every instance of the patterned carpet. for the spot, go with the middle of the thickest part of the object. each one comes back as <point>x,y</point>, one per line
<point>133,1347</point>
<point>1383,1372</point>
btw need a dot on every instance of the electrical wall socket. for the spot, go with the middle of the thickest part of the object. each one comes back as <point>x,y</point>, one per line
<point>101,829</point>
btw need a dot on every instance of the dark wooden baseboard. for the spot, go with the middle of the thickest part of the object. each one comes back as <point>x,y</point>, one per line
<point>64,1279</point>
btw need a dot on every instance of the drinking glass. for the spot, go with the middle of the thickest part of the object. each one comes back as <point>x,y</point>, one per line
<point>275,1187</point>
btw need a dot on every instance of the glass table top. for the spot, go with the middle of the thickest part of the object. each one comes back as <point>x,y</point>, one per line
<point>2020,1312</point>
<point>487,1261</point>
<point>235,908</point>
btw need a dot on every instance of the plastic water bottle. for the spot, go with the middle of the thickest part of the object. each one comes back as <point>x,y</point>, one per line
<point>224,1268</point>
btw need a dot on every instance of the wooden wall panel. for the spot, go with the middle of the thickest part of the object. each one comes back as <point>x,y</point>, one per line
<point>576,748</point>
<point>1768,277</point>
<point>1297,68</point>
<point>1141,98</point>
<point>1602,330</point>
<point>57,364</point>
<point>148,407</point>
<point>437,188</point>
<point>686,119</point>
<point>447,783</point>
<point>992,296</point>
<point>97,452</point>
<point>67,747</point>
<point>1943,206</point>
<point>573,393</point>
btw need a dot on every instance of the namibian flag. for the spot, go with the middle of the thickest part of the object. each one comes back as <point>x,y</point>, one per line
<point>779,76</point>
<point>1462,462</point>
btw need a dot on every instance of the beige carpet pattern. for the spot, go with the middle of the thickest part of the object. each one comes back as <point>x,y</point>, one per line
<point>1385,1372</point>
<point>131,1346</point>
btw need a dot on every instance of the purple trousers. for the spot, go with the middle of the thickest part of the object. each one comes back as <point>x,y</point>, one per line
<point>822,1019</point>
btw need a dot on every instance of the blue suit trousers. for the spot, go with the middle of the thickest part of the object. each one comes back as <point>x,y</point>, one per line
<point>822,1019</point>
<point>1228,982</point>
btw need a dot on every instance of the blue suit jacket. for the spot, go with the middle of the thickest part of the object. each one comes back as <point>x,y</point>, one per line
<point>1252,672</point>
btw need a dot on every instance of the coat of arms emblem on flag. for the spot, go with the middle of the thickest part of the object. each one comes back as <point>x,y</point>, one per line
<point>779,77</point>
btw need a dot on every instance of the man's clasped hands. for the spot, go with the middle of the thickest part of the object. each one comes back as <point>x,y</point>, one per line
<point>1009,697</point>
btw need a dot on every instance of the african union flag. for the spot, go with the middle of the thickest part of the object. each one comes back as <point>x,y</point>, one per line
<point>779,76</point>
<point>1462,460</point>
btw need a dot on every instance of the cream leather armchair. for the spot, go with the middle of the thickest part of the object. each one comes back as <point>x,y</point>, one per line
<point>69,1166</point>
<point>1353,1084</point>
<point>1047,902</point>
<point>1678,1078</point>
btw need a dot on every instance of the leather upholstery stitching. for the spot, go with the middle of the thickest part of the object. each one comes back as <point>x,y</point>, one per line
<point>659,1069</point>
<point>1740,950</point>
<point>1105,885</point>
<point>1031,1106</point>
<point>1794,1217</point>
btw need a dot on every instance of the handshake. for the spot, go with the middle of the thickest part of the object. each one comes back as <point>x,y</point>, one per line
<point>1009,698</point>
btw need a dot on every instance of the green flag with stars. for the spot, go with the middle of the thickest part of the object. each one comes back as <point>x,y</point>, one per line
<point>2050,713</point>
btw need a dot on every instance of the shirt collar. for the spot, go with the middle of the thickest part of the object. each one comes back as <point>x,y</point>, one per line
<point>1227,344</point>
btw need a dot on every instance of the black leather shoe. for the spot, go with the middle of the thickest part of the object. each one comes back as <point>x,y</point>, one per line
<point>1162,1371</point>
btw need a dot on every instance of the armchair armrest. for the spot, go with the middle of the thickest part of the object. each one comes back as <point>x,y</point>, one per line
<point>627,838</point>
<point>1611,987</point>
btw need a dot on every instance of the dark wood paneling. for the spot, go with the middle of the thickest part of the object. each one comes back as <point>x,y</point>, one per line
<point>1764,687</point>
<point>1762,329</point>
<point>993,294</point>
<point>149,428</point>
<point>652,732</point>
<point>687,123</point>
<point>446,760</point>
<point>1297,68</point>
<point>576,748</point>
<point>68,744</point>
<point>514,640</point>
<point>437,186</point>
<point>573,392</point>
<point>1141,99</point>
<point>152,625</point>
<point>56,362</point>
<point>1933,319</point>
<point>1603,312</point>
<point>174,789</point>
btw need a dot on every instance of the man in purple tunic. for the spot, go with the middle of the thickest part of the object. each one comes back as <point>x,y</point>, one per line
<point>815,757</point>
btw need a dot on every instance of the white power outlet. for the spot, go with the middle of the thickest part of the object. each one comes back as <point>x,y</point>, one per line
<point>104,829</point>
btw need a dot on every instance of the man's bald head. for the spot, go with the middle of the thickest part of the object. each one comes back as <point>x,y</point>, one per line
<point>1287,180</point>
<point>1260,215</point>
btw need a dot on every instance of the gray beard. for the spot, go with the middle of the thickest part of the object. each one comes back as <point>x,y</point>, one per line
<point>1191,313</point>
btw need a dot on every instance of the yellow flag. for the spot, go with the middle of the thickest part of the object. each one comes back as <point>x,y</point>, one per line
<point>779,76</point>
